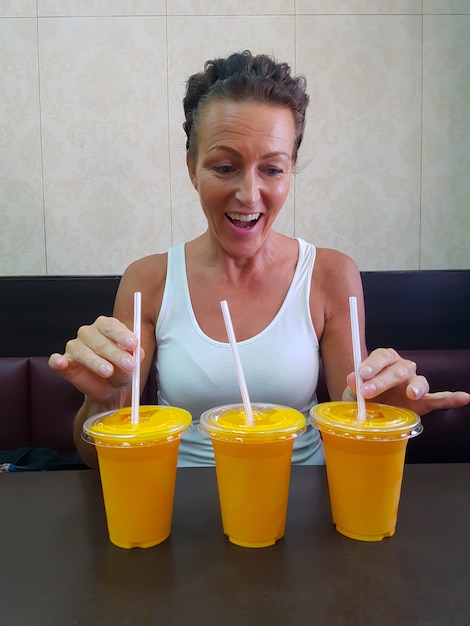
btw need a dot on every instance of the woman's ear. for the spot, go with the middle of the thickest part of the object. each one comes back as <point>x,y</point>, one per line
<point>191,171</point>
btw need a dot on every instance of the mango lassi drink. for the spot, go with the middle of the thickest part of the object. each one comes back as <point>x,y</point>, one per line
<point>253,463</point>
<point>364,464</point>
<point>138,470</point>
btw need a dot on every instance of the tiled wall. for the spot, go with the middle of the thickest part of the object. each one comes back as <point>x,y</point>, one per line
<point>92,161</point>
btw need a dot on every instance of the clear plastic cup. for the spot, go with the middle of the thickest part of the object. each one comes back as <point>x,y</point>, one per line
<point>253,464</point>
<point>364,464</point>
<point>138,470</point>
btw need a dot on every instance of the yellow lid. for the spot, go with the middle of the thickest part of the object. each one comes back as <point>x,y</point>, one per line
<point>156,424</point>
<point>382,422</point>
<point>270,423</point>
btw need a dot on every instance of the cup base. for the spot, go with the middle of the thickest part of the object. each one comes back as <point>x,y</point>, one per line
<point>253,544</point>
<point>129,545</point>
<point>359,537</point>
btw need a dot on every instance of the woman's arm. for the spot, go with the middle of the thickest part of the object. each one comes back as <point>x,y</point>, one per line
<point>336,278</point>
<point>386,376</point>
<point>99,361</point>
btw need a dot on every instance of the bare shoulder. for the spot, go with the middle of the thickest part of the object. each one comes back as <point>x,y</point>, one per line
<point>147,271</point>
<point>334,268</point>
<point>146,275</point>
<point>336,276</point>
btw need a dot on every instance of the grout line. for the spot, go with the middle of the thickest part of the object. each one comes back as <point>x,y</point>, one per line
<point>294,176</point>
<point>170,189</point>
<point>227,15</point>
<point>420,212</point>
<point>41,148</point>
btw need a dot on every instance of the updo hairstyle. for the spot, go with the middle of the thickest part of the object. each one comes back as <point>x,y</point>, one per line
<point>240,77</point>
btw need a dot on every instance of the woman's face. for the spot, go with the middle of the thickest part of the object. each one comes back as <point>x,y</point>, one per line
<point>243,170</point>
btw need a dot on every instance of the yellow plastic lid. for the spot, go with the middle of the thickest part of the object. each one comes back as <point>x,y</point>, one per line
<point>156,424</point>
<point>382,422</point>
<point>270,423</point>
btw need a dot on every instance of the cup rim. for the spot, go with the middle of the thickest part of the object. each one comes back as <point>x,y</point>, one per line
<point>406,425</point>
<point>256,433</point>
<point>154,435</point>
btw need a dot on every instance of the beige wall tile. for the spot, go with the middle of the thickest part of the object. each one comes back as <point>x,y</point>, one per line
<point>22,244</point>
<point>18,8</point>
<point>193,41</point>
<point>359,187</point>
<point>105,136</point>
<point>446,143</point>
<point>358,7</point>
<point>100,8</point>
<point>442,7</point>
<point>111,128</point>
<point>230,7</point>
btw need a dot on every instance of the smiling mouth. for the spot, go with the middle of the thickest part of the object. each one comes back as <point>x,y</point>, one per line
<point>243,221</point>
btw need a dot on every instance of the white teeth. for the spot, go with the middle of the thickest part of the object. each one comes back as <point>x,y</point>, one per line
<point>243,218</point>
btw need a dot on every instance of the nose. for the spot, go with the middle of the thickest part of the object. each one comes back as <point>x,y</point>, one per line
<point>248,189</point>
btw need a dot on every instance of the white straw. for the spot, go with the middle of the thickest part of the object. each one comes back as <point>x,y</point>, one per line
<point>136,372</point>
<point>238,365</point>
<point>356,344</point>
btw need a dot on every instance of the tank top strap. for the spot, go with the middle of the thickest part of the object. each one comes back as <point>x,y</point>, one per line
<point>173,297</point>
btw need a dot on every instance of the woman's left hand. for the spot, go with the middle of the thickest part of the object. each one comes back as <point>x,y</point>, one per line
<point>391,379</point>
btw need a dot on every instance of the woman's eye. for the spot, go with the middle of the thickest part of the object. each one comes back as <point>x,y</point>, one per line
<point>273,171</point>
<point>222,169</point>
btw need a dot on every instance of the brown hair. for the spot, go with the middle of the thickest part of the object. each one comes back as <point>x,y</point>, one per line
<point>242,76</point>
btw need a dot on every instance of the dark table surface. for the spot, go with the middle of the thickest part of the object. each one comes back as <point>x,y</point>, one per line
<point>57,566</point>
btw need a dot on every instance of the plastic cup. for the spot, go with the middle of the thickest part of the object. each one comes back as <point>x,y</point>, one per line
<point>364,464</point>
<point>253,463</point>
<point>137,465</point>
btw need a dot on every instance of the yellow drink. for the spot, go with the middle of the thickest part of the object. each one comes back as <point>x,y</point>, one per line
<point>364,463</point>
<point>138,471</point>
<point>253,465</point>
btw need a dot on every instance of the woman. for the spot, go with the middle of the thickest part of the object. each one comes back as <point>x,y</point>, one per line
<point>288,300</point>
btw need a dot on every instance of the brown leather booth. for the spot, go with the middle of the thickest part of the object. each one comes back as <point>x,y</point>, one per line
<point>38,406</point>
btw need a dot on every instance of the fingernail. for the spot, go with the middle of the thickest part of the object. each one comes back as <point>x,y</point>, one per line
<point>105,369</point>
<point>127,363</point>
<point>365,371</point>
<point>416,392</point>
<point>368,389</point>
<point>129,343</point>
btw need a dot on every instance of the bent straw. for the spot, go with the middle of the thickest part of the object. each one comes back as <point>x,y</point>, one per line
<point>136,372</point>
<point>356,344</point>
<point>238,365</point>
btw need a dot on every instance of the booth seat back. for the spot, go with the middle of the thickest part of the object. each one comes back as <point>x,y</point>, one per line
<point>37,406</point>
<point>446,434</point>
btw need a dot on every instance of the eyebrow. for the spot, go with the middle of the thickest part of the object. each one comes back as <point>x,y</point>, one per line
<point>268,155</point>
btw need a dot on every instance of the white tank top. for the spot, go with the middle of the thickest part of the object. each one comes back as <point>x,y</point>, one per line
<point>280,363</point>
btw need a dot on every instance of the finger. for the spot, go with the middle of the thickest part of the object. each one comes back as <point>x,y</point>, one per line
<point>390,378</point>
<point>446,400</point>
<point>79,354</point>
<point>58,362</point>
<point>385,369</point>
<point>116,331</point>
<point>98,346</point>
<point>377,360</point>
<point>417,387</point>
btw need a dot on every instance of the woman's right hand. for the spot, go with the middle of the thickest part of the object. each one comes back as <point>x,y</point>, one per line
<point>99,361</point>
